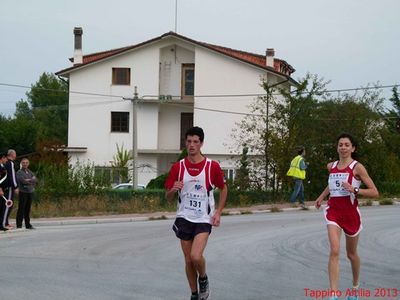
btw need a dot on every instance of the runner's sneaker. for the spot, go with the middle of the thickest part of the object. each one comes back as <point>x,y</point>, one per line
<point>354,294</point>
<point>204,288</point>
<point>194,297</point>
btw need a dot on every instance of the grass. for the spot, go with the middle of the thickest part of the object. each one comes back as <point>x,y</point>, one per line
<point>386,202</point>
<point>97,205</point>
<point>275,209</point>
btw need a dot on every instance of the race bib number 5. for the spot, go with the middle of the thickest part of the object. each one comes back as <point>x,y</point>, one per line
<point>336,184</point>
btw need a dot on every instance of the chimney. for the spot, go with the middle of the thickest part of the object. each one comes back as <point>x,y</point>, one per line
<point>78,55</point>
<point>269,57</point>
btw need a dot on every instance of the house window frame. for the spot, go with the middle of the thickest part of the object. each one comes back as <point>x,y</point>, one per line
<point>184,81</point>
<point>229,173</point>
<point>123,126</point>
<point>121,76</point>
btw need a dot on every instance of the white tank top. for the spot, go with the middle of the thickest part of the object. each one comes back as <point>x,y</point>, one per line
<point>338,176</point>
<point>196,199</point>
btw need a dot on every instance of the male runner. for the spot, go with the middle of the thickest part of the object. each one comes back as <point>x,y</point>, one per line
<point>193,179</point>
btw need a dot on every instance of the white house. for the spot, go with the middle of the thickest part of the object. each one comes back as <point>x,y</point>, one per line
<point>180,82</point>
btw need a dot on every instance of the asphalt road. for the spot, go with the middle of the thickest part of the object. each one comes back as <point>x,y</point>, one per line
<point>258,256</point>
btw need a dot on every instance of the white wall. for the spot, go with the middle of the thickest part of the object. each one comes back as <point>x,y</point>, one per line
<point>147,168</point>
<point>170,126</point>
<point>217,74</point>
<point>90,116</point>
<point>171,59</point>
<point>147,114</point>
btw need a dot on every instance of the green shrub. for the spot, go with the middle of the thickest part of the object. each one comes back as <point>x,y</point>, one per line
<point>158,182</point>
<point>386,202</point>
<point>245,198</point>
<point>389,188</point>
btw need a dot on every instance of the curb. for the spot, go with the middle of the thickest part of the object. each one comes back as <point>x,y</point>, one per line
<point>161,216</point>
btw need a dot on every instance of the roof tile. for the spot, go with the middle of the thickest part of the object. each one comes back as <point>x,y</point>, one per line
<point>280,66</point>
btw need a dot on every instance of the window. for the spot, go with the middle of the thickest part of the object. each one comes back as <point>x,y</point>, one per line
<point>187,80</point>
<point>104,174</point>
<point>229,174</point>
<point>121,76</point>
<point>107,175</point>
<point>119,121</point>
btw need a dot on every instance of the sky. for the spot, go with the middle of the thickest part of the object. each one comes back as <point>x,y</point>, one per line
<point>351,43</point>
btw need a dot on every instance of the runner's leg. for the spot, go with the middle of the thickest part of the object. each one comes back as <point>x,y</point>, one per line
<point>334,234</point>
<point>351,249</point>
<point>199,244</point>
<point>190,269</point>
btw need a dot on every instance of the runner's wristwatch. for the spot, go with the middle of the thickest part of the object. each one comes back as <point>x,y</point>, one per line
<point>356,190</point>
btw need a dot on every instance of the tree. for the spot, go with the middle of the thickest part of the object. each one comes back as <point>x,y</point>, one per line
<point>390,135</point>
<point>278,122</point>
<point>393,115</point>
<point>47,105</point>
<point>19,134</point>
<point>293,124</point>
<point>242,179</point>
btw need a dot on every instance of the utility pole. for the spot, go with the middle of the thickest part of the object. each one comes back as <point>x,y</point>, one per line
<point>134,101</point>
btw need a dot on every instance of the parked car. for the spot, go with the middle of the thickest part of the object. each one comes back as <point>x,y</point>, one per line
<point>128,185</point>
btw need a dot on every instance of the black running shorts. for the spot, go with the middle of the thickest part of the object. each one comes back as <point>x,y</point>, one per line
<point>186,230</point>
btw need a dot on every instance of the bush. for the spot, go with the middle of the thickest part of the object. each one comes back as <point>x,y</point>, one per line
<point>60,181</point>
<point>389,188</point>
<point>386,202</point>
<point>246,198</point>
<point>111,202</point>
<point>158,182</point>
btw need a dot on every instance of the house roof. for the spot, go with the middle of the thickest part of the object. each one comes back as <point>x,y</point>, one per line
<point>281,67</point>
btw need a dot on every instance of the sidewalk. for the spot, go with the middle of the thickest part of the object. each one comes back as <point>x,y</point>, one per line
<point>255,209</point>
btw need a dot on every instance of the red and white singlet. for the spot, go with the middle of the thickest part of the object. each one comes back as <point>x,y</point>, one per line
<point>342,209</point>
<point>196,199</point>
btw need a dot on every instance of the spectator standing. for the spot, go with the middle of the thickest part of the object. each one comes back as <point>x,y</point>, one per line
<point>11,185</point>
<point>3,189</point>
<point>26,184</point>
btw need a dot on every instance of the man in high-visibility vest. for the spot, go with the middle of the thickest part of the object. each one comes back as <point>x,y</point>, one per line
<point>297,170</point>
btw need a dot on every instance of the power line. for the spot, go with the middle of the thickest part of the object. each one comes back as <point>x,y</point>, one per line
<point>204,96</point>
<point>59,91</point>
<point>177,97</point>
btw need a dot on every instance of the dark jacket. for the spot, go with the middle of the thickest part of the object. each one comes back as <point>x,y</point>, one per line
<point>11,178</point>
<point>3,177</point>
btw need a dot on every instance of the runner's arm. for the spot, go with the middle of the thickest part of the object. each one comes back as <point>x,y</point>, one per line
<point>223,193</point>
<point>321,197</point>
<point>170,193</point>
<point>172,185</point>
<point>325,193</point>
<point>371,190</point>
